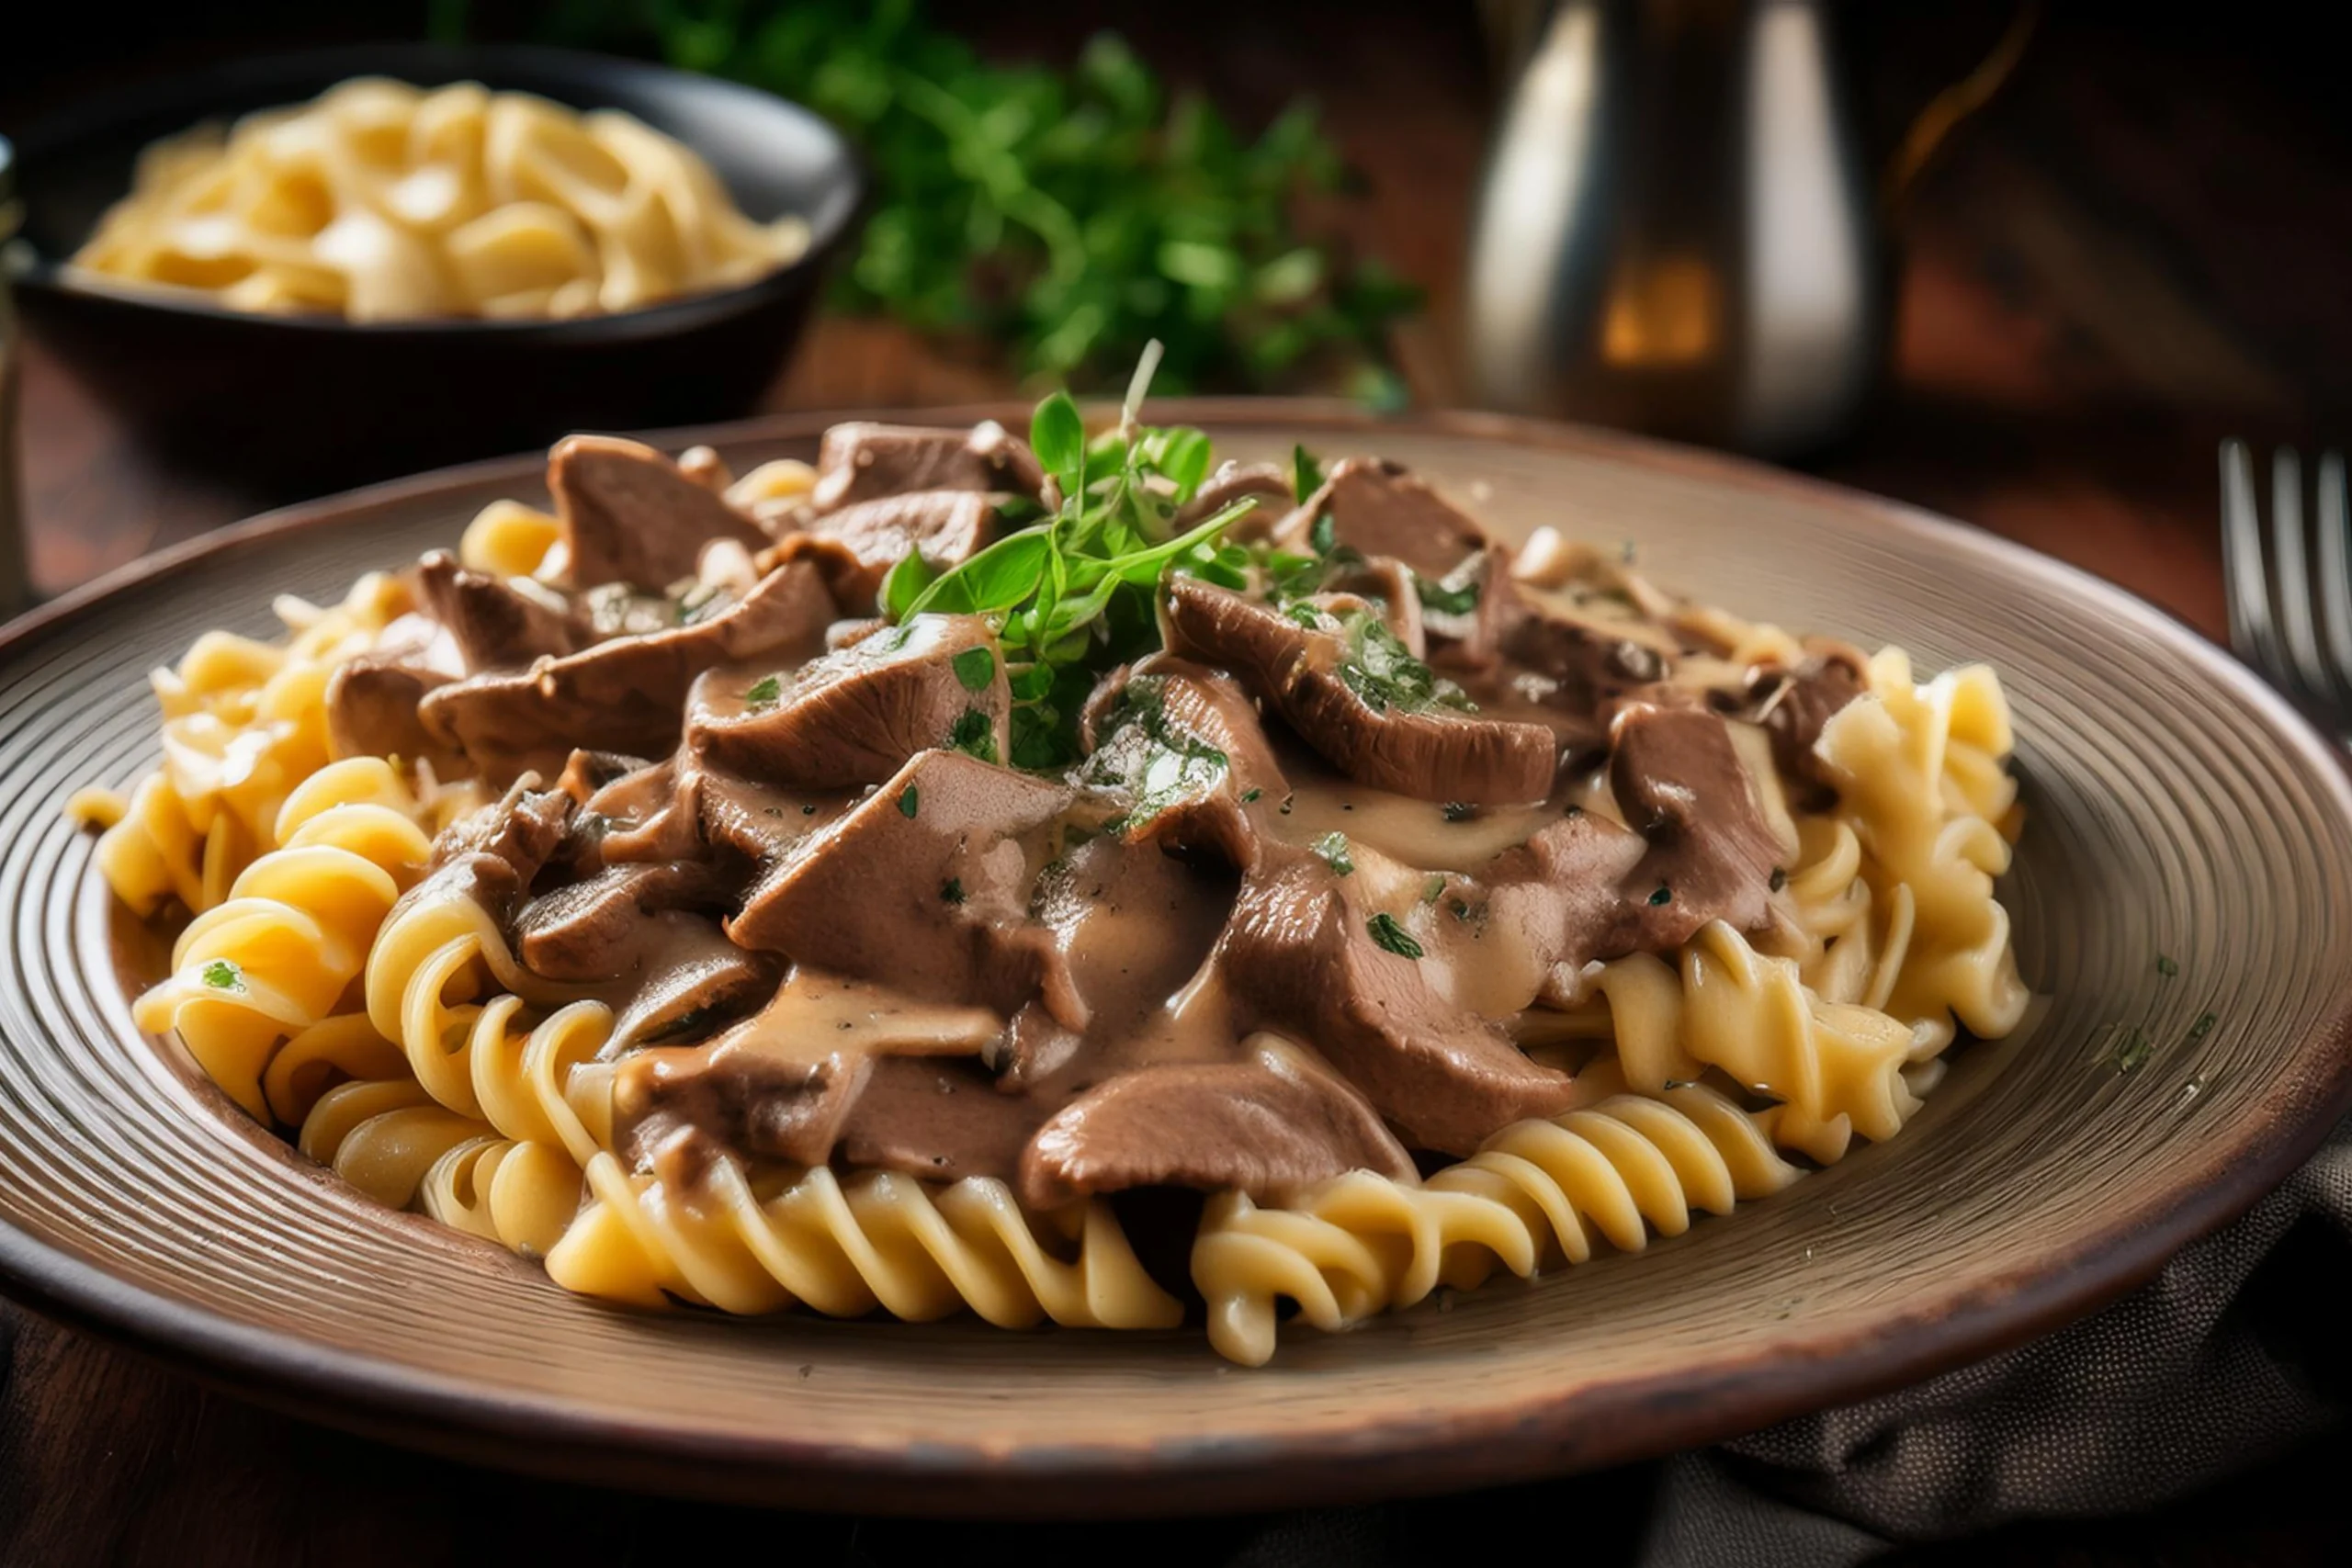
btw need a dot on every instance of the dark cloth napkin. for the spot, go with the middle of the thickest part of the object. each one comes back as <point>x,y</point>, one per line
<point>2236,1352</point>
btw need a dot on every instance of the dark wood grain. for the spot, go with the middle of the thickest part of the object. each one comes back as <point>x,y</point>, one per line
<point>2137,251</point>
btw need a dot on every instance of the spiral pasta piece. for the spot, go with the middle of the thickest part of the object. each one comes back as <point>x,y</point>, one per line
<point>275,958</point>
<point>245,724</point>
<point>1836,1069</point>
<point>1539,1191</point>
<point>534,1088</point>
<point>1922,783</point>
<point>846,1245</point>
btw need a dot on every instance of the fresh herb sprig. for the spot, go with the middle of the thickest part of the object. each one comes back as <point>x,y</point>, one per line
<point>1071,595</point>
<point>1072,215</point>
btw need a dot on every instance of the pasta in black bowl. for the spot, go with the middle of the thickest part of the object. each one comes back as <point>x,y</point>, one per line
<point>387,346</point>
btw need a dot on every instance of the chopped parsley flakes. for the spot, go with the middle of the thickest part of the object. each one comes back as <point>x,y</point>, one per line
<point>1392,936</point>
<point>973,734</point>
<point>1333,848</point>
<point>223,975</point>
<point>974,668</point>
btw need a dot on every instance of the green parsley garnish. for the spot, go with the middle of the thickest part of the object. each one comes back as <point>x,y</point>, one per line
<point>2166,967</point>
<point>1144,754</point>
<point>1333,848</point>
<point>1392,936</point>
<point>1779,879</point>
<point>951,891</point>
<point>223,975</point>
<point>1250,794</point>
<point>975,734</point>
<point>1323,534</point>
<point>2132,1051</point>
<point>1432,889</point>
<point>2200,1030</point>
<point>909,802</point>
<point>764,692</point>
<point>1305,479</point>
<point>1071,596</point>
<point>1379,669</point>
<point>1664,895</point>
<point>974,668</point>
<point>1446,599</point>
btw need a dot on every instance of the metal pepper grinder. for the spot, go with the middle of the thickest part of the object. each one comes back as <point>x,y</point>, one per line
<point>1676,233</point>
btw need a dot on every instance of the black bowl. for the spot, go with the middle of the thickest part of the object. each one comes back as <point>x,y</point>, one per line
<point>283,401</point>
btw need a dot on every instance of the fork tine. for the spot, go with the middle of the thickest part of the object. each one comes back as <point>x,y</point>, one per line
<point>2288,559</point>
<point>2242,570</point>
<point>2335,568</point>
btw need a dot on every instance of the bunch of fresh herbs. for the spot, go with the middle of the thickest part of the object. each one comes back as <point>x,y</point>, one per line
<point>1069,215</point>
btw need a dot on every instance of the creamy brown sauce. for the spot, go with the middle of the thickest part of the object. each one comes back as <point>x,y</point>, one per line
<point>1255,937</point>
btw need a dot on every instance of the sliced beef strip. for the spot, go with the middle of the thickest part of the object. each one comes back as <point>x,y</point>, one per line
<point>630,515</point>
<point>1268,1127</point>
<point>1300,959</point>
<point>1573,890</point>
<point>860,461</point>
<point>1795,705</point>
<point>1437,754</point>
<point>945,528</point>
<point>1264,483</point>
<point>372,712</point>
<point>923,887</point>
<point>854,717</point>
<point>494,623</point>
<point>1180,747</point>
<point>625,695</point>
<point>781,1083</point>
<point>944,1119</point>
<point>371,701</point>
<point>679,1107</point>
<point>524,829</point>
<point>691,982</point>
<point>1584,669</point>
<point>1471,640</point>
<point>596,930</point>
<point>1385,585</point>
<point>1681,783</point>
<point>853,581</point>
<point>1133,926</point>
<point>1377,508</point>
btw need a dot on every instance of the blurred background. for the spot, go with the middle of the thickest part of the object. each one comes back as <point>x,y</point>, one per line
<point>2023,262</point>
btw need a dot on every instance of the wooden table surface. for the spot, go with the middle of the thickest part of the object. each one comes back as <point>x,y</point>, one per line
<point>2136,251</point>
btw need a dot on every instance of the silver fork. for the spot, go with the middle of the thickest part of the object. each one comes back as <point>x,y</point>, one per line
<point>2293,625</point>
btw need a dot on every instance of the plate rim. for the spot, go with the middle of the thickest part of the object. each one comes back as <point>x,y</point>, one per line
<point>1532,1436</point>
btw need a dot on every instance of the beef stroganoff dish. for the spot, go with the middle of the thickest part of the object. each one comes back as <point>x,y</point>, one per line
<point>1060,879</point>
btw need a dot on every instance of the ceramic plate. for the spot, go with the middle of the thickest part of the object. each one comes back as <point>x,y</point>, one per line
<point>2176,806</point>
